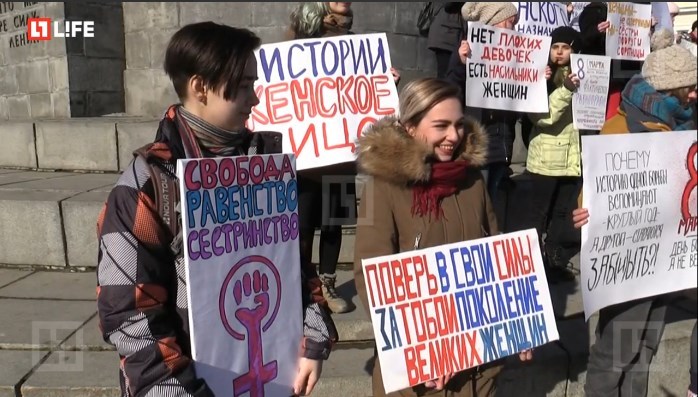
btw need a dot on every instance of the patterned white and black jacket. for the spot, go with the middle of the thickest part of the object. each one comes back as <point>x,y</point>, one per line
<point>141,291</point>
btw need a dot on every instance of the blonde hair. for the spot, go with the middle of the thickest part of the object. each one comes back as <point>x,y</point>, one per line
<point>307,18</point>
<point>421,95</point>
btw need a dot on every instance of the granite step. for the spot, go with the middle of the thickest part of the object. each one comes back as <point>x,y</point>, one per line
<point>68,204</point>
<point>352,327</point>
<point>50,343</point>
<point>61,373</point>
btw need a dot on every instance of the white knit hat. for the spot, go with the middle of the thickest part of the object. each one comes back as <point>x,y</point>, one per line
<point>669,66</point>
<point>489,13</point>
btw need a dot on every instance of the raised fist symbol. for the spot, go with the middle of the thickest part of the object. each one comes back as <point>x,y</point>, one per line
<point>252,298</point>
<point>251,294</point>
<point>253,291</point>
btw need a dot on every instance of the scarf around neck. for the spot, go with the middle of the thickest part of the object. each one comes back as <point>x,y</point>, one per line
<point>204,139</point>
<point>445,176</point>
<point>337,24</point>
<point>642,103</point>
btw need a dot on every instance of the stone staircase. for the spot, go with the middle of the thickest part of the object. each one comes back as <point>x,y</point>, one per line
<point>54,177</point>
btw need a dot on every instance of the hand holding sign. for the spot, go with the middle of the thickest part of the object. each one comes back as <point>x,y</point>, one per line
<point>308,374</point>
<point>572,82</point>
<point>603,26</point>
<point>526,355</point>
<point>464,52</point>
<point>396,75</point>
<point>439,382</point>
<point>580,217</point>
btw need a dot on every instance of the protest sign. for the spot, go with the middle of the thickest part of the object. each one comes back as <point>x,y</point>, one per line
<point>577,8</point>
<point>540,18</point>
<point>321,94</point>
<point>628,37</point>
<point>589,101</point>
<point>450,308</point>
<point>240,231</point>
<point>640,190</point>
<point>506,70</point>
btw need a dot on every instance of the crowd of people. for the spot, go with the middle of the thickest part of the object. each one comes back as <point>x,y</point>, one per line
<point>435,170</point>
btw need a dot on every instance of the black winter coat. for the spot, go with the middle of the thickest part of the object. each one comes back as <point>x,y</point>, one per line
<point>594,42</point>
<point>445,30</point>
<point>500,125</point>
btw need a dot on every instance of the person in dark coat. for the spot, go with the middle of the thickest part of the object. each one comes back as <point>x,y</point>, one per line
<point>444,35</point>
<point>499,124</point>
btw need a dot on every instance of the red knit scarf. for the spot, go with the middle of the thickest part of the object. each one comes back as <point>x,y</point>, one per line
<point>426,198</point>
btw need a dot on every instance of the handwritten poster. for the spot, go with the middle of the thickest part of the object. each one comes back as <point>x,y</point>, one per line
<point>241,252</point>
<point>506,70</point>
<point>323,93</point>
<point>540,18</point>
<point>589,101</point>
<point>628,37</point>
<point>577,8</point>
<point>640,190</point>
<point>446,309</point>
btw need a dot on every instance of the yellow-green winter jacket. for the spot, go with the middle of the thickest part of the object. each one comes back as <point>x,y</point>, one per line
<point>555,149</point>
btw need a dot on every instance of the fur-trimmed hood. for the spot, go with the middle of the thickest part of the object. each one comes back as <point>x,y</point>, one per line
<point>388,152</point>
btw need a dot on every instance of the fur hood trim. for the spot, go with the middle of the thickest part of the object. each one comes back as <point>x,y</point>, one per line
<point>388,152</point>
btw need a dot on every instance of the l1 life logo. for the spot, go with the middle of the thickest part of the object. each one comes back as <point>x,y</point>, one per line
<point>44,29</point>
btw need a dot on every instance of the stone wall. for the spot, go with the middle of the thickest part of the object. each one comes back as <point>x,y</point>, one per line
<point>61,77</point>
<point>96,64</point>
<point>149,26</point>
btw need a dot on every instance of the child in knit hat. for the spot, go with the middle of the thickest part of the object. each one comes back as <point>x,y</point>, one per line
<point>658,99</point>
<point>564,40</point>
